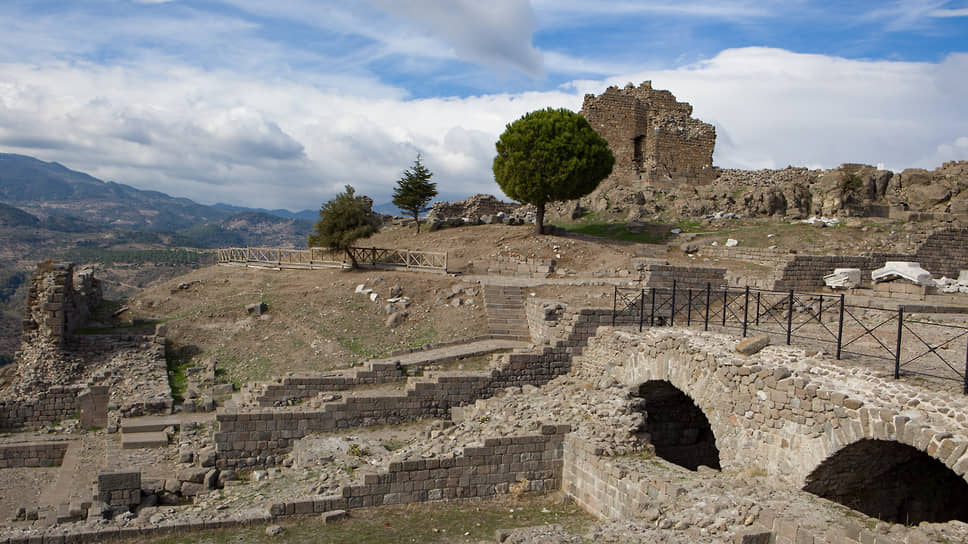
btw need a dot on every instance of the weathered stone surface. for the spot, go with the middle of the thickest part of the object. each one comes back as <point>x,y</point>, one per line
<point>752,345</point>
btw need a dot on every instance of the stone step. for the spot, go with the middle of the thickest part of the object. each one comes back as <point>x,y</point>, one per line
<point>148,424</point>
<point>156,439</point>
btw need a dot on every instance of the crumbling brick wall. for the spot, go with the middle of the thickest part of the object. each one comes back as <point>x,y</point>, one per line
<point>654,137</point>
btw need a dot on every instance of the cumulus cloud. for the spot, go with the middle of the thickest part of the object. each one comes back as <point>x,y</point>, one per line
<point>293,142</point>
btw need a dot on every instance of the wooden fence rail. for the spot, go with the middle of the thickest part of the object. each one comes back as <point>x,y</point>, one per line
<point>320,257</point>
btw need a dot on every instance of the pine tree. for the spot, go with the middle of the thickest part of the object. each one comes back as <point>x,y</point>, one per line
<point>414,191</point>
<point>343,221</point>
<point>550,155</point>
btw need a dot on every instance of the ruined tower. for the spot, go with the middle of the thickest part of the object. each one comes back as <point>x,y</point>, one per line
<point>654,138</point>
<point>56,305</point>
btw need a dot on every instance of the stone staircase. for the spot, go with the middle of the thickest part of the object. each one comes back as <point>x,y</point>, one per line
<point>506,318</point>
<point>147,431</point>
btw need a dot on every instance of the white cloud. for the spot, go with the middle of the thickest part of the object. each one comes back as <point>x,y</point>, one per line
<point>961,12</point>
<point>496,33</point>
<point>294,142</point>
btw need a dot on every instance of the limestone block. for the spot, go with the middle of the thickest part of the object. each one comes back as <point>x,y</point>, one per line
<point>752,345</point>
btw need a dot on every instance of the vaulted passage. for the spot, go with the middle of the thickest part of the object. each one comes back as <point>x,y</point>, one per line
<point>892,482</point>
<point>677,427</point>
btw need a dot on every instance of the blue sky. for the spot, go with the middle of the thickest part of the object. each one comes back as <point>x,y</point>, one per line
<point>279,104</point>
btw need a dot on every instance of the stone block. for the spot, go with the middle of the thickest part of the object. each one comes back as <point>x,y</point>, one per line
<point>752,345</point>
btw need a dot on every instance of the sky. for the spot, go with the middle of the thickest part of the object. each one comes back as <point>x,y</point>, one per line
<point>279,104</point>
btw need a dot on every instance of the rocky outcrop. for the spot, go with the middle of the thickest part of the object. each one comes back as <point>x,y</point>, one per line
<point>850,190</point>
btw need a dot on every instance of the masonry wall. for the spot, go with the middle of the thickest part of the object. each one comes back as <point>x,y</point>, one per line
<point>56,404</point>
<point>771,410</point>
<point>551,323</point>
<point>609,490</point>
<point>532,462</point>
<point>261,438</point>
<point>305,386</point>
<point>523,267</point>
<point>55,305</point>
<point>652,136</point>
<point>945,252</point>
<point>32,454</point>
<point>685,277</point>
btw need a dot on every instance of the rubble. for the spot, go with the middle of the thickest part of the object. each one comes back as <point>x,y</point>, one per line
<point>843,278</point>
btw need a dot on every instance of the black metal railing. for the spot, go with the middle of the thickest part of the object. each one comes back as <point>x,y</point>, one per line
<point>912,346</point>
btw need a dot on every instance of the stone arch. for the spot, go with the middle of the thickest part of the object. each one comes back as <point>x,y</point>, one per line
<point>676,426</point>
<point>891,481</point>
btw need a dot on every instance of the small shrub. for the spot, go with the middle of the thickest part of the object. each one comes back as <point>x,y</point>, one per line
<point>357,450</point>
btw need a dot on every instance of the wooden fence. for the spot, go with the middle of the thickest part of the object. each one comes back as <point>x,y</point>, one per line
<point>319,257</point>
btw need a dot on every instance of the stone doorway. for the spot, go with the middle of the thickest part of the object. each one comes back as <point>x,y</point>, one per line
<point>677,427</point>
<point>891,481</point>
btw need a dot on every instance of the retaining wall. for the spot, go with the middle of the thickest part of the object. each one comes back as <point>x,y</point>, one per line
<point>261,438</point>
<point>56,404</point>
<point>607,490</point>
<point>534,463</point>
<point>32,454</point>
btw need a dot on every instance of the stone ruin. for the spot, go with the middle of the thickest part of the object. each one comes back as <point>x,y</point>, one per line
<point>476,210</point>
<point>59,373</point>
<point>56,306</point>
<point>654,137</point>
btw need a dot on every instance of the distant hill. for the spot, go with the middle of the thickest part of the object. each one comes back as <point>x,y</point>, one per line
<point>49,189</point>
<point>15,217</point>
<point>309,215</point>
<point>249,229</point>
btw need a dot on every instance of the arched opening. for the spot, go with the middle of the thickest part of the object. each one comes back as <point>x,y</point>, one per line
<point>677,427</point>
<point>891,481</point>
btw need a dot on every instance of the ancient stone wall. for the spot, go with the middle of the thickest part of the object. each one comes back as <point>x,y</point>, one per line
<point>610,490</point>
<point>119,491</point>
<point>551,323</point>
<point>944,252</point>
<point>685,277</point>
<point>32,454</point>
<point>55,305</point>
<point>780,410</point>
<point>260,438</point>
<point>523,267</point>
<point>534,463</point>
<point>472,209</point>
<point>55,404</point>
<point>653,137</point>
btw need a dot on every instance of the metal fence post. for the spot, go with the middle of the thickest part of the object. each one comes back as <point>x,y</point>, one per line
<point>840,327</point>
<point>614,301</point>
<point>790,318</point>
<point>746,310</point>
<point>689,310</point>
<point>725,303</point>
<point>652,310</point>
<point>820,310</point>
<point>709,289</point>
<point>672,313</point>
<point>757,308</point>
<point>897,353</point>
<point>641,308</point>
